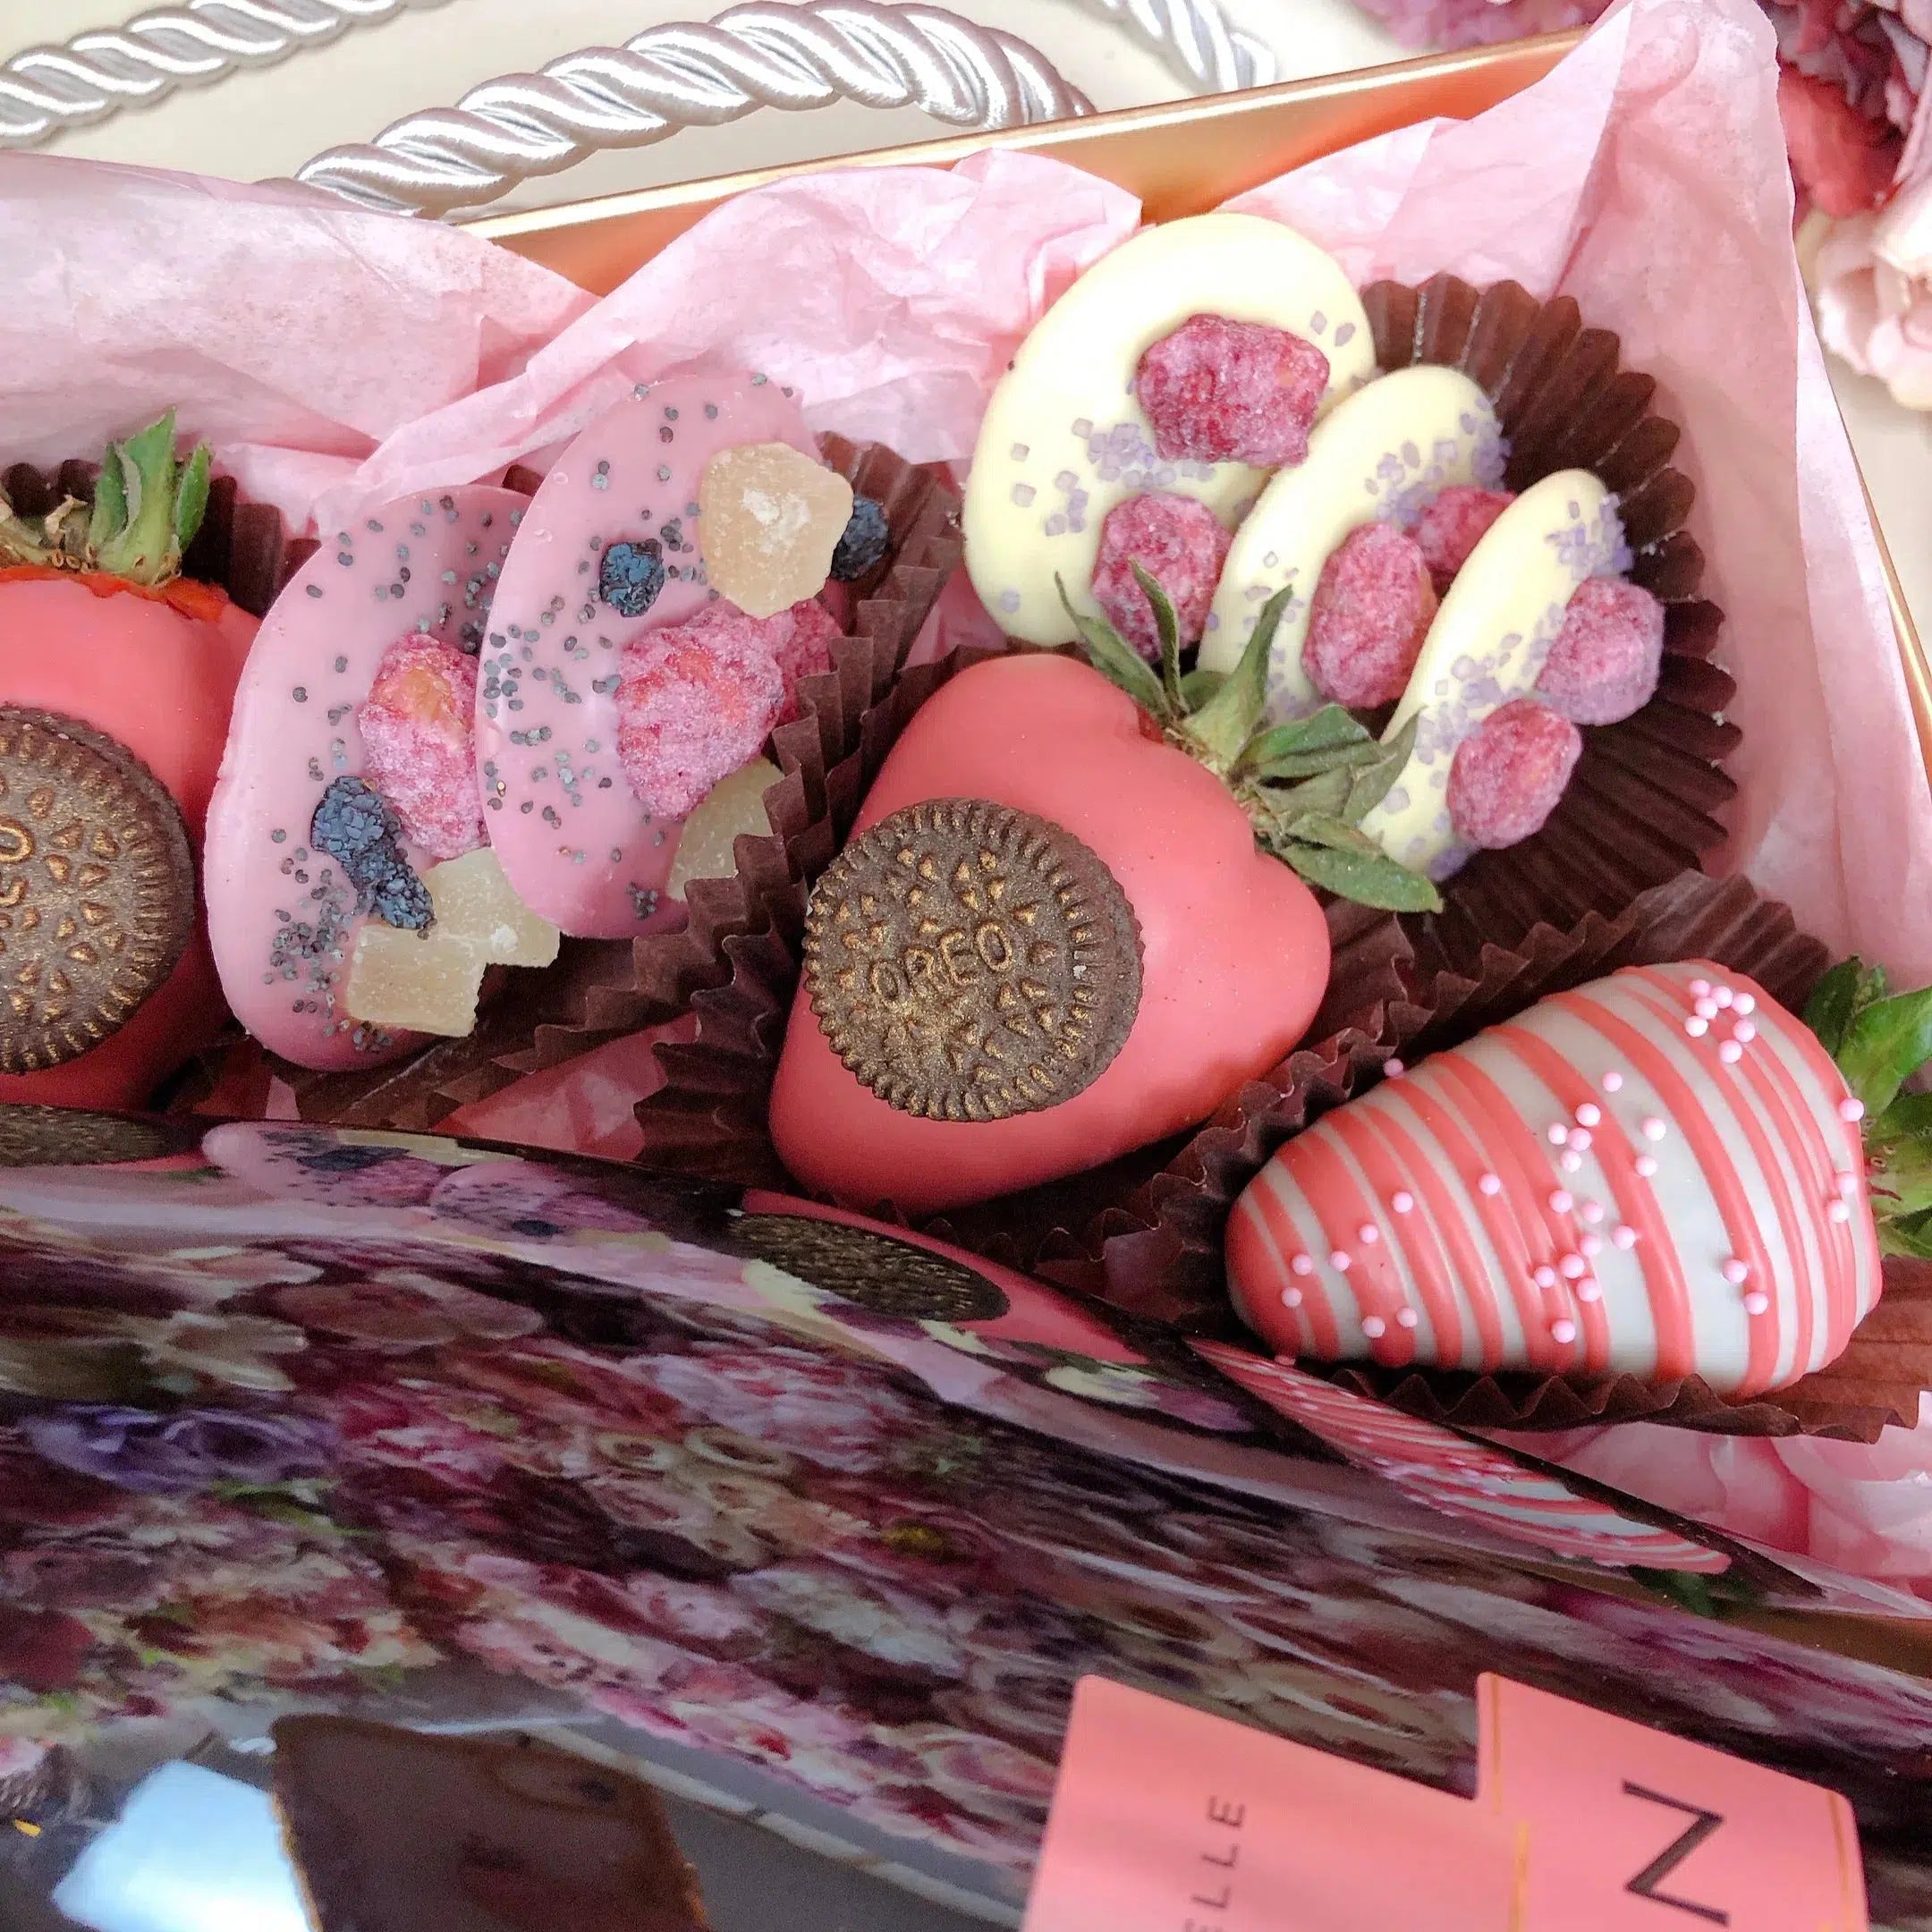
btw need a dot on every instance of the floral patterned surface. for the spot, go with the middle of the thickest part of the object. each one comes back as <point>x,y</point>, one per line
<point>302,1414</point>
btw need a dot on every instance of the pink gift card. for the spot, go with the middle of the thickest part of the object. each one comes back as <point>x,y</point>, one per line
<point>1626,1829</point>
<point>1167,1820</point>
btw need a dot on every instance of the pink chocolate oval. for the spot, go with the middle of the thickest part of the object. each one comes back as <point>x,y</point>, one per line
<point>282,919</point>
<point>576,846</point>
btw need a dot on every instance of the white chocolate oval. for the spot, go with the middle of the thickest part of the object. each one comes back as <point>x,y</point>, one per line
<point>1488,644</point>
<point>1381,453</point>
<point>1064,439</point>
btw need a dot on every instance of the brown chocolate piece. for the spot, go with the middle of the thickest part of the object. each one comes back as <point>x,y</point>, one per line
<point>969,962</point>
<point>401,1831</point>
<point>97,888</point>
<point>890,1277</point>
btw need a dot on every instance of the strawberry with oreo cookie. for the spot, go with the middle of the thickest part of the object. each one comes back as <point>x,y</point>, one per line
<point>1073,917</point>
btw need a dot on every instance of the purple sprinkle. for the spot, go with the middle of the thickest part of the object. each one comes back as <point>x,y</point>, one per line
<point>1057,525</point>
<point>1084,426</point>
<point>1318,322</point>
<point>1344,334</point>
<point>1019,453</point>
<point>1023,493</point>
<point>1009,600</point>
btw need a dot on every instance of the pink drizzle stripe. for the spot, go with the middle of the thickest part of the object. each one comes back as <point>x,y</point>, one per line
<point>1696,1122</point>
<point>1410,1235</point>
<point>1315,1317</point>
<point>1337,1201</point>
<point>1847,1158</point>
<point>1656,1252</point>
<point>1497,1217</point>
<point>1445,1218</point>
<point>1527,1181</point>
<point>1680,1102</point>
<point>1258,1269</point>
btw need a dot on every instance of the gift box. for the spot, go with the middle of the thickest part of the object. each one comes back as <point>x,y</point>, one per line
<point>818,1520</point>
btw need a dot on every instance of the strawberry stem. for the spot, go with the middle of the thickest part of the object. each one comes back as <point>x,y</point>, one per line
<point>147,509</point>
<point>1305,786</point>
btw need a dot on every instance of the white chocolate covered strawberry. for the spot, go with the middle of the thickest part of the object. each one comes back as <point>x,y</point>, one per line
<point>1663,1174</point>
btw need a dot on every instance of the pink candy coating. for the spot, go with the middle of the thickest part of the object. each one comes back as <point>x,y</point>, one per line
<point>1605,663</point>
<point>697,701</point>
<point>1180,544</point>
<point>1372,609</point>
<point>419,738</point>
<point>1216,391</point>
<point>1457,520</point>
<point>1509,773</point>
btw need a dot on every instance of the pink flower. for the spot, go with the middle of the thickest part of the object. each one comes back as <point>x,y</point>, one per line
<point>1458,23</point>
<point>1842,160</point>
<point>1874,278</point>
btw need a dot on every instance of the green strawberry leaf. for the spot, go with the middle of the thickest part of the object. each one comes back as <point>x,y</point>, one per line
<point>1326,792</point>
<point>1324,828</point>
<point>1374,782</point>
<point>191,495</point>
<point>1330,729</point>
<point>1168,628</point>
<point>1371,880</point>
<point>1117,660</point>
<point>1911,1237</point>
<point>1886,1043</point>
<point>1200,685</point>
<point>1839,997</point>
<point>110,502</point>
<point>145,551</point>
<point>1222,726</point>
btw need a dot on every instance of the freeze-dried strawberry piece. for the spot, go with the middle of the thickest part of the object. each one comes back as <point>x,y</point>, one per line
<point>799,640</point>
<point>1218,391</point>
<point>1457,520</point>
<point>418,743</point>
<point>1177,542</point>
<point>1509,773</point>
<point>696,700</point>
<point>1372,609</point>
<point>1605,660</point>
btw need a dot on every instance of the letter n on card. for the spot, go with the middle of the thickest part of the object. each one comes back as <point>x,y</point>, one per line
<point>1625,1829</point>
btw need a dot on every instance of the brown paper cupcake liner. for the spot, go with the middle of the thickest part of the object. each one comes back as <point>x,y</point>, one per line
<point>242,548</point>
<point>1873,1383</point>
<point>601,990</point>
<point>1639,809</point>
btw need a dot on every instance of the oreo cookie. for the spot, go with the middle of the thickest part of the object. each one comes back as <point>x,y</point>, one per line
<point>35,1136</point>
<point>97,888</point>
<point>969,962</point>
<point>887,1276</point>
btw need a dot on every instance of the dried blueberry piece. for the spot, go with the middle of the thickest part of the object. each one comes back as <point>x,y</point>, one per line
<point>867,538</point>
<point>355,826</point>
<point>631,575</point>
<point>399,898</point>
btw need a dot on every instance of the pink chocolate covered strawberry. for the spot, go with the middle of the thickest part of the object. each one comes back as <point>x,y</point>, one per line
<point>116,674</point>
<point>1069,921</point>
<point>1663,1174</point>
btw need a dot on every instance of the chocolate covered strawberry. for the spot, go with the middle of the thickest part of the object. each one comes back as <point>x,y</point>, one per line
<point>116,676</point>
<point>1072,919</point>
<point>1663,1174</point>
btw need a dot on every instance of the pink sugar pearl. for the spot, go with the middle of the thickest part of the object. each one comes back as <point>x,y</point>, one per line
<point>696,699</point>
<point>1180,544</point>
<point>418,743</point>
<point>1606,658</point>
<point>1372,607</point>
<point>1457,520</point>
<point>1509,773</point>
<point>1216,391</point>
